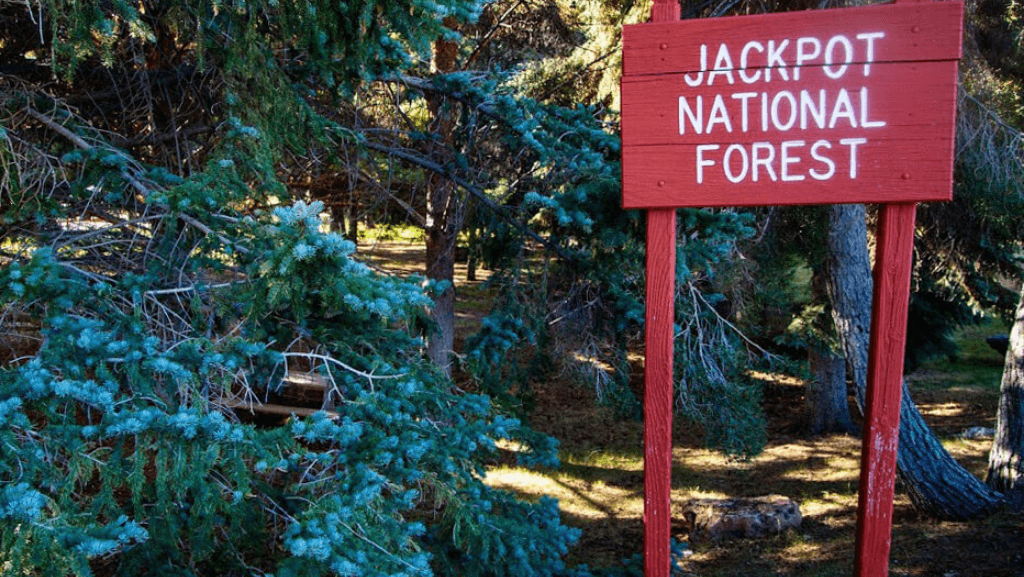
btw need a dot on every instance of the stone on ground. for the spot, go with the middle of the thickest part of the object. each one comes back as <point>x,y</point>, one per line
<point>751,518</point>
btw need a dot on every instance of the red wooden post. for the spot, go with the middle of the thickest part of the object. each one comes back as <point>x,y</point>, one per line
<point>661,268</point>
<point>658,380</point>
<point>893,263</point>
<point>894,254</point>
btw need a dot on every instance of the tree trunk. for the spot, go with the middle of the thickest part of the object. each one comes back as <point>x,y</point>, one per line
<point>938,486</point>
<point>827,406</point>
<point>471,242</point>
<point>441,268</point>
<point>848,276</point>
<point>936,483</point>
<point>1006,460</point>
<point>441,226</point>
<point>352,216</point>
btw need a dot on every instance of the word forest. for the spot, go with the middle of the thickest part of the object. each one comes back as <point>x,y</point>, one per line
<point>756,99</point>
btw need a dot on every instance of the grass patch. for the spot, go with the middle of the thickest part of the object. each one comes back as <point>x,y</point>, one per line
<point>393,232</point>
<point>977,367</point>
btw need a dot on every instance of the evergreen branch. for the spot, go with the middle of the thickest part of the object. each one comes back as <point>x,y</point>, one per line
<point>136,183</point>
<point>152,367</point>
<point>89,275</point>
<point>363,176</point>
<point>475,192</point>
<point>996,147</point>
<point>697,9</point>
<point>723,7</point>
<point>184,132</point>
<point>59,129</point>
<point>100,231</point>
<point>425,85</point>
<point>991,115</point>
<point>157,78</point>
<point>382,549</point>
<point>547,93</point>
<point>727,323</point>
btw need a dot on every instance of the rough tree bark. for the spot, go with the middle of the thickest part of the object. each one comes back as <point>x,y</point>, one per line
<point>936,483</point>
<point>440,266</point>
<point>1006,460</point>
<point>827,405</point>
<point>848,274</point>
<point>441,222</point>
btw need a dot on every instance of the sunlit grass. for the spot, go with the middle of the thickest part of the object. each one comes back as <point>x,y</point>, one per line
<point>777,379</point>
<point>977,367</point>
<point>393,232</point>
<point>577,497</point>
<point>619,459</point>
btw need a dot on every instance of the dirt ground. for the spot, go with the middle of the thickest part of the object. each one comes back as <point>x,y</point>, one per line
<point>600,483</point>
<point>601,488</point>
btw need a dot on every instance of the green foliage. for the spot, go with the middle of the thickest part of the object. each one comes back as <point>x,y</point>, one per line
<point>123,448</point>
<point>588,71</point>
<point>971,248</point>
<point>931,321</point>
<point>712,361</point>
<point>600,315</point>
<point>583,313</point>
<point>154,253</point>
<point>490,353</point>
<point>335,44</point>
<point>160,287</point>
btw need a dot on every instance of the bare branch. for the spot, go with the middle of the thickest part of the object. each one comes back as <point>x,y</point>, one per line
<point>329,359</point>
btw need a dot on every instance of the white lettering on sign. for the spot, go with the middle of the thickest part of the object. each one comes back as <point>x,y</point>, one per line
<point>783,109</point>
<point>776,109</point>
<point>788,161</point>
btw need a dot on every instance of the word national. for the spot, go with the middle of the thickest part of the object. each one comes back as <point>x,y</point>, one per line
<point>775,88</point>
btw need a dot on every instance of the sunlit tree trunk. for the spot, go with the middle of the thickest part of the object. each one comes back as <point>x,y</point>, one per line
<point>936,483</point>
<point>1005,462</point>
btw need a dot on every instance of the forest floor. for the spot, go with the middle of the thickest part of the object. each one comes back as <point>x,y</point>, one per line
<point>600,482</point>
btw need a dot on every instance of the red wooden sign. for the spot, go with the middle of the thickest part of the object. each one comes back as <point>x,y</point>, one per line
<point>818,107</point>
<point>815,107</point>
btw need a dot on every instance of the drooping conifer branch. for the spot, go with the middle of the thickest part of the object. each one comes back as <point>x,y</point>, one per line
<point>477,193</point>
